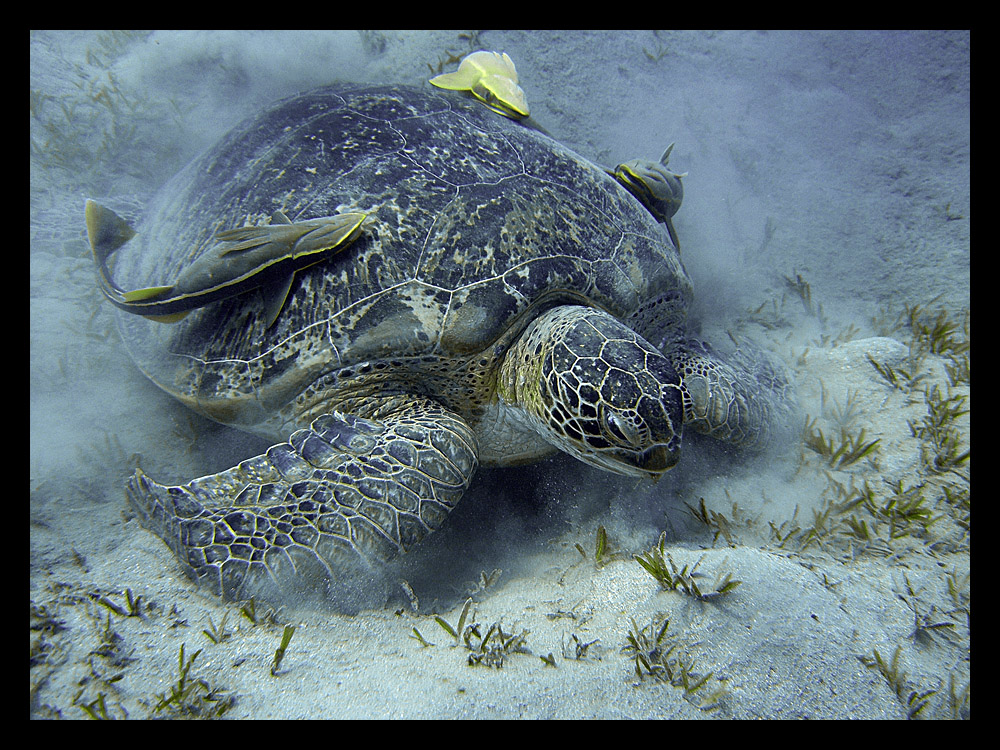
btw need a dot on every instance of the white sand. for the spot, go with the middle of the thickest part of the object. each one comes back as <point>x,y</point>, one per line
<point>841,157</point>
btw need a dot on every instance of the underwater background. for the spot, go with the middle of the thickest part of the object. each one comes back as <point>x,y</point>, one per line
<point>826,216</point>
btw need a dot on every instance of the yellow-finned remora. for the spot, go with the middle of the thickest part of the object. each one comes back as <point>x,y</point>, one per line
<point>242,259</point>
<point>492,78</point>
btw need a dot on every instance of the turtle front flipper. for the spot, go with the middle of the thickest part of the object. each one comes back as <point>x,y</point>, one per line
<point>743,399</point>
<point>311,513</point>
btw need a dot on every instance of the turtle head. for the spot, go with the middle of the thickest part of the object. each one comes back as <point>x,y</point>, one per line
<point>657,188</point>
<point>597,390</point>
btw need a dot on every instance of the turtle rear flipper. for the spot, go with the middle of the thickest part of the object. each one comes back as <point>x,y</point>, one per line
<point>314,510</point>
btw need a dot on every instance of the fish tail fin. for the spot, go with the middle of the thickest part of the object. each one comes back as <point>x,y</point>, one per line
<point>107,232</point>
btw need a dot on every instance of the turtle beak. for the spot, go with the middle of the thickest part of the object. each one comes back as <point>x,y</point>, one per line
<point>652,462</point>
<point>657,459</point>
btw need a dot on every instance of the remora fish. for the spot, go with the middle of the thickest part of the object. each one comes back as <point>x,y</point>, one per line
<point>242,259</point>
<point>656,187</point>
<point>492,79</point>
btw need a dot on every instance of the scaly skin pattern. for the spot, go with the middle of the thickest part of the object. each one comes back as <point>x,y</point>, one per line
<point>597,390</point>
<point>315,509</point>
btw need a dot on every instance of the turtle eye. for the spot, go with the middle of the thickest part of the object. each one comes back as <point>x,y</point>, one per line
<point>620,428</point>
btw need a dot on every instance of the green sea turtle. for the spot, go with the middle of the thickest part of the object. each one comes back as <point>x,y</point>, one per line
<point>505,298</point>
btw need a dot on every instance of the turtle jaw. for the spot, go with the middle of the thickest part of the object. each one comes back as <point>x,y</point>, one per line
<point>651,463</point>
<point>657,459</point>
